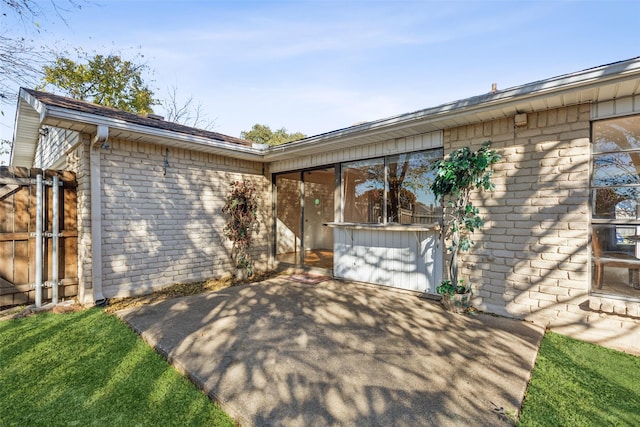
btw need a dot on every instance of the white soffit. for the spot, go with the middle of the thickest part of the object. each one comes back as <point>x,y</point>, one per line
<point>25,135</point>
<point>57,116</point>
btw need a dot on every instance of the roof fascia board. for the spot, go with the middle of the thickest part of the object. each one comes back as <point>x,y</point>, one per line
<point>38,106</point>
<point>562,85</point>
<point>39,111</point>
<point>92,119</point>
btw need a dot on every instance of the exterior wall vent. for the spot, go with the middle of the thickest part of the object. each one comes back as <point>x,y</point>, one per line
<point>520,119</point>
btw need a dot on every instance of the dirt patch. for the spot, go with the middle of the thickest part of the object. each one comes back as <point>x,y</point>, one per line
<point>19,312</point>
<point>173,291</point>
<point>181,290</point>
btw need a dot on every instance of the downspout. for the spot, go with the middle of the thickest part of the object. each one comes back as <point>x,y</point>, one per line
<point>101,137</point>
<point>39,241</point>
<point>55,234</point>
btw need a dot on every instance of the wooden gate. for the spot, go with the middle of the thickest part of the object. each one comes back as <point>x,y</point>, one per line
<point>17,235</point>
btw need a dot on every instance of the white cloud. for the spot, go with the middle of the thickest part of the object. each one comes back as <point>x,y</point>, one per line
<point>316,66</point>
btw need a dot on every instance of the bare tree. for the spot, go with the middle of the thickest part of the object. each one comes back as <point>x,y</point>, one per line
<point>32,9</point>
<point>187,113</point>
<point>21,60</point>
<point>21,64</point>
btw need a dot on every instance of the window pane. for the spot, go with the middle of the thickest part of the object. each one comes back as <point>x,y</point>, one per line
<point>616,169</point>
<point>616,134</point>
<point>409,200</point>
<point>288,218</point>
<point>616,196</point>
<point>616,203</point>
<point>363,186</point>
<point>616,260</point>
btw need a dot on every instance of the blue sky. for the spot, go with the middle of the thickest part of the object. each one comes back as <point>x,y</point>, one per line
<point>317,66</point>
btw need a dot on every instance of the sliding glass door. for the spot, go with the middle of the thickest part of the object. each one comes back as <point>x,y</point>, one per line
<point>317,210</point>
<point>304,202</point>
<point>288,218</point>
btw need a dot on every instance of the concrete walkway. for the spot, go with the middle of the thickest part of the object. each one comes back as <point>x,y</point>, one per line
<point>282,353</point>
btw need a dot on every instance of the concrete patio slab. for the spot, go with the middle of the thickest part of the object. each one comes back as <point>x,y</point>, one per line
<point>284,353</point>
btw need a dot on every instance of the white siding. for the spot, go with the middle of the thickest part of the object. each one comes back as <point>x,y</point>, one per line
<point>423,141</point>
<point>616,107</point>
<point>409,260</point>
<point>52,148</point>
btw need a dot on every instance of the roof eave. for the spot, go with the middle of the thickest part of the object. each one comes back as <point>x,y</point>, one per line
<point>156,135</point>
<point>29,115</point>
<point>498,104</point>
<point>508,98</point>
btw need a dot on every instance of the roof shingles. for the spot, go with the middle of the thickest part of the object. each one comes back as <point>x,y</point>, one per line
<point>49,99</point>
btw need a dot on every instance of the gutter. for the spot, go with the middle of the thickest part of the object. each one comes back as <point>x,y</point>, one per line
<point>514,97</point>
<point>618,72</point>
<point>221,147</point>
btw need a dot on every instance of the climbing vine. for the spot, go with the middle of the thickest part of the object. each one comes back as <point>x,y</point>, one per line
<point>241,206</point>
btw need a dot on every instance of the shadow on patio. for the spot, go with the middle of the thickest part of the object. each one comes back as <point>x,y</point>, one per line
<point>342,353</point>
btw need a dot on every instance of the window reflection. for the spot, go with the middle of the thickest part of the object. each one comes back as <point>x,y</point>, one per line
<point>410,200</point>
<point>616,202</point>
<point>618,134</point>
<point>616,169</point>
<point>616,213</point>
<point>394,189</point>
<point>363,184</point>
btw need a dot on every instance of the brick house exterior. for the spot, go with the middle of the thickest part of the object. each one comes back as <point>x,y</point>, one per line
<point>162,188</point>
<point>532,255</point>
<point>158,227</point>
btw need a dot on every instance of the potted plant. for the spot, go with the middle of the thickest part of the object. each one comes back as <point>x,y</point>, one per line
<point>456,177</point>
<point>241,206</point>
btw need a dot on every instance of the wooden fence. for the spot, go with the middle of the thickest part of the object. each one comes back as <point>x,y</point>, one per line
<point>18,241</point>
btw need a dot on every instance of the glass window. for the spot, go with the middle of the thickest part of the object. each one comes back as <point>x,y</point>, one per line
<point>615,187</point>
<point>410,200</point>
<point>616,202</point>
<point>392,189</point>
<point>363,190</point>
<point>621,168</point>
<point>619,134</point>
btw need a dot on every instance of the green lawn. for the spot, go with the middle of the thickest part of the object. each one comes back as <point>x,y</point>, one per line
<point>89,369</point>
<point>575,383</point>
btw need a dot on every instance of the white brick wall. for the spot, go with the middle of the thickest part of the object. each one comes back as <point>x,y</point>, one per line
<point>160,229</point>
<point>78,162</point>
<point>531,259</point>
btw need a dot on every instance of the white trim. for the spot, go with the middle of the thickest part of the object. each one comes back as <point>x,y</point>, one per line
<point>591,85</point>
<point>92,119</point>
<point>512,97</point>
<point>357,150</point>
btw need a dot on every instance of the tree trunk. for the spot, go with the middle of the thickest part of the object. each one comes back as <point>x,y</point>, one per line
<point>453,268</point>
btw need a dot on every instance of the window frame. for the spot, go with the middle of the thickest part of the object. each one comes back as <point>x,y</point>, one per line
<point>386,161</point>
<point>597,221</point>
